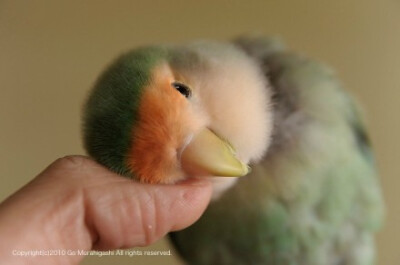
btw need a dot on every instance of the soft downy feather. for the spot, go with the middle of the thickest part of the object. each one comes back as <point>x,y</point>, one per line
<point>314,198</point>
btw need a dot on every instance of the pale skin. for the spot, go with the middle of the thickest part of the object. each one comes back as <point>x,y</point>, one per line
<point>76,204</point>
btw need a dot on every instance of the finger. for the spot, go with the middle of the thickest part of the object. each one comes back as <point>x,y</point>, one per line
<point>121,213</point>
<point>78,204</point>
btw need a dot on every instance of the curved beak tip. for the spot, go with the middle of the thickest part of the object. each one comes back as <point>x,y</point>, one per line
<point>208,155</point>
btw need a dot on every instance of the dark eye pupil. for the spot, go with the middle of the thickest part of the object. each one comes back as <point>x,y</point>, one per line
<point>183,89</point>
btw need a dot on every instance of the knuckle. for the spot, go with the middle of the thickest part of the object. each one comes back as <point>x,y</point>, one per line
<point>71,162</point>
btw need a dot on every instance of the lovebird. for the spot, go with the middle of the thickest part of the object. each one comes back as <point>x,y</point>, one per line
<point>285,146</point>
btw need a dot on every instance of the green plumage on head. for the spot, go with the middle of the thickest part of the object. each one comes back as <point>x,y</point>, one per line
<point>110,113</point>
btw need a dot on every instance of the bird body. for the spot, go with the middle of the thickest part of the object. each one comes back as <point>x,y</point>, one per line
<point>164,113</point>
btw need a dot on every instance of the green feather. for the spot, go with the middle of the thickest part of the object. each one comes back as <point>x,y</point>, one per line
<point>315,198</point>
<point>111,111</point>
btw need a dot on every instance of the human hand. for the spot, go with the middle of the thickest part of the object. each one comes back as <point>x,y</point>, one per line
<point>76,204</point>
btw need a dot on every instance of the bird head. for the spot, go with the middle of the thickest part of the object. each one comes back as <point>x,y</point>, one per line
<point>164,113</point>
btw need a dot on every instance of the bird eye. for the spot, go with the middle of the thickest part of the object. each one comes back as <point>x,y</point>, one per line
<point>183,89</point>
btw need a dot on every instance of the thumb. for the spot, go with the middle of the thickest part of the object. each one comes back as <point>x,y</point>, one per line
<point>122,213</point>
<point>78,204</point>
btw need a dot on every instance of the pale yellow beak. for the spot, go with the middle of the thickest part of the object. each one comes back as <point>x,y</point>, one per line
<point>208,155</point>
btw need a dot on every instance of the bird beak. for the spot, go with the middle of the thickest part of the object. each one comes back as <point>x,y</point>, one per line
<point>208,155</point>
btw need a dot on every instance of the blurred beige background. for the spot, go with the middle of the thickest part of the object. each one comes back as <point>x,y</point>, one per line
<point>52,51</point>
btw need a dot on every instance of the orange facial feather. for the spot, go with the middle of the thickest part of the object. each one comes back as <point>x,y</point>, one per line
<point>163,126</point>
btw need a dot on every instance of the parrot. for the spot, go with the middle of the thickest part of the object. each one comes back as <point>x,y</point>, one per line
<point>284,145</point>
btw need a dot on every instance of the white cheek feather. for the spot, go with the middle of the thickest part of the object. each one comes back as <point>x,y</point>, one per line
<point>236,96</point>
